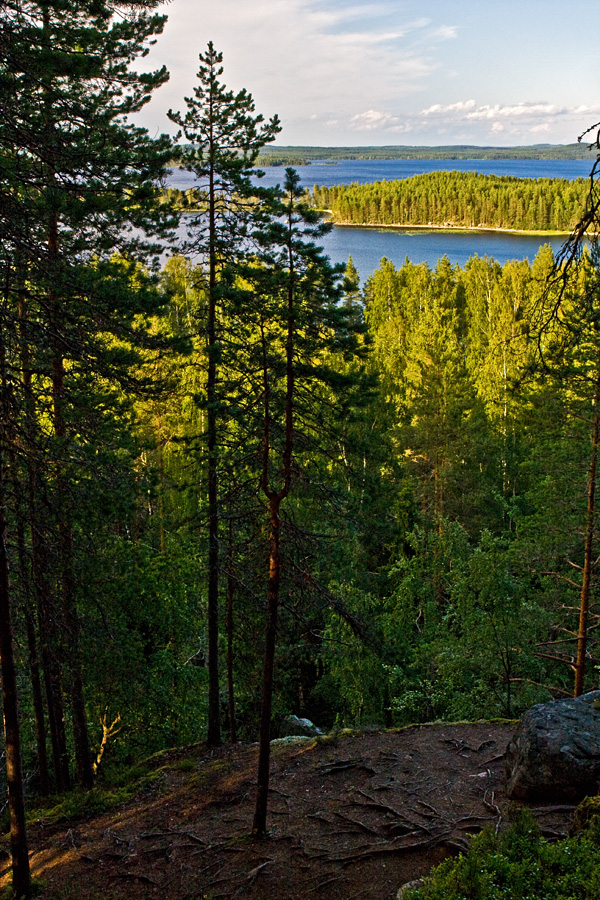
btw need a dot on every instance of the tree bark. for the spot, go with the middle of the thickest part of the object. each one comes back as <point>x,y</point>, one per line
<point>34,668</point>
<point>10,706</point>
<point>49,649</point>
<point>214,716</point>
<point>275,498</point>
<point>83,759</point>
<point>12,737</point>
<point>26,580</point>
<point>588,561</point>
<point>259,828</point>
<point>40,576</point>
<point>230,654</point>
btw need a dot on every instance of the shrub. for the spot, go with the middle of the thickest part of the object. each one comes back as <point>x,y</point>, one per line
<point>519,863</point>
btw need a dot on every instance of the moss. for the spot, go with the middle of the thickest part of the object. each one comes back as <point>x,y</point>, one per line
<point>184,765</point>
<point>79,804</point>
<point>210,770</point>
<point>586,812</point>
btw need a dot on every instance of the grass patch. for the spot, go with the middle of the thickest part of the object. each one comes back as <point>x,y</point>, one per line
<point>79,804</point>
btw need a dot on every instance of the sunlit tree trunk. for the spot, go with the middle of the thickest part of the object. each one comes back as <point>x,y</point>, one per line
<point>275,498</point>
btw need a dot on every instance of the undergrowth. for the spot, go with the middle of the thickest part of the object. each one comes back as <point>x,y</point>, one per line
<point>519,863</point>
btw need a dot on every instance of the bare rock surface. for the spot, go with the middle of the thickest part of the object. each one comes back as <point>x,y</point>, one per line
<point>555,751</point>
<point>293,726</point>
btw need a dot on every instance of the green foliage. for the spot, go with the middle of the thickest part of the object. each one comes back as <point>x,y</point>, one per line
<point>79,804</point>
<point>458,199</point>
<point>519,862</point>
<point>454,151</point>
<point>432,541</point>
<point>586,815</point>
<point>465,616</point>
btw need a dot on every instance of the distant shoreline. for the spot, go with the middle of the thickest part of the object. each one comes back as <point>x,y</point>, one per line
<point>474,229</point>
<point>294,154</point>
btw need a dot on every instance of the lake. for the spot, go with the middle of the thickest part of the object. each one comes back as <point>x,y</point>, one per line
<point>367,246</point>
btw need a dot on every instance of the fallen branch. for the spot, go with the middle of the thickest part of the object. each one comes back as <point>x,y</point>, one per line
<point>149,835</point>
<point>493,807</point>
<point>254,873</point>
<point>324,884</point>
<point>343,765</point>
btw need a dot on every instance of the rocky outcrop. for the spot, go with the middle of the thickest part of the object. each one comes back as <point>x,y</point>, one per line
<point>555,752</point>
<point>292,725</point>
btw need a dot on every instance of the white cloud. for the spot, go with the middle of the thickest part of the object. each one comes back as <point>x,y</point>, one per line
<point>333,72</point>
<point>373,119</point>
<point>302,58</point>
<point>525,110</point>
<point>438,110</point>
<point>446,32</point>
<point>526,117</point>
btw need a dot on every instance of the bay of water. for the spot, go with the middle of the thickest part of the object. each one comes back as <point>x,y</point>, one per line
<point>367,246</point>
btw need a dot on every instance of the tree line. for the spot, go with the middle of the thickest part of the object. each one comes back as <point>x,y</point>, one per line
<point>452,151</point>
<point>459,199</point>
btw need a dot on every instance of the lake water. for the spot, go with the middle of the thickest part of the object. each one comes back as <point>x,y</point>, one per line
<point>367,246</point>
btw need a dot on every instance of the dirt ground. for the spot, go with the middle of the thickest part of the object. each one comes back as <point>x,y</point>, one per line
<point>352,816</point>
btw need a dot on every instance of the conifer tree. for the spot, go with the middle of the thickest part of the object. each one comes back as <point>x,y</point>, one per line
<point>226,137</point>
<point>77,180</point>
<point>297,318</point>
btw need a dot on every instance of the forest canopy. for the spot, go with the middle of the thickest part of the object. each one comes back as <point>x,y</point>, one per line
<point>458,199</point>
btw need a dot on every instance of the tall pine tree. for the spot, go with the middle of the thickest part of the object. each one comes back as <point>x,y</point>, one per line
<point>226,136</point>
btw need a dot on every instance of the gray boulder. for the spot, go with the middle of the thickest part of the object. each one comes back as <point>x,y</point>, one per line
<point>292,726</point>
<point>555,751</point>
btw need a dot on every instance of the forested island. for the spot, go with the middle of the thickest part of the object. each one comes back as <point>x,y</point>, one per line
<point>458,199</point>
<point>444,199</point>
<point>295,156</point>
<point>233,485</point>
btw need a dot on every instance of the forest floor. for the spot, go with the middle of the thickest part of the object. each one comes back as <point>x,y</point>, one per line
<point>355,815</point>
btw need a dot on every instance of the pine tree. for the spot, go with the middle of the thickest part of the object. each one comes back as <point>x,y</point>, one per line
<point>297,318</point>
<point>77,180</point>
<point>226,137</point>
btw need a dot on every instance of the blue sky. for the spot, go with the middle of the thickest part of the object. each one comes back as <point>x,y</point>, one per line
<point>395,71</point>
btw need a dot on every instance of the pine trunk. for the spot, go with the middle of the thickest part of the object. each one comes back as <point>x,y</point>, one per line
<point>259,828</point>
<point>230,654</point>
<point>275,498</point>
<point>10,706</point>
<point>214,716</point>
<point>25,570</point>
<point>588,561</point>
<point>83,759</point>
